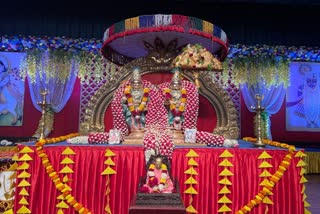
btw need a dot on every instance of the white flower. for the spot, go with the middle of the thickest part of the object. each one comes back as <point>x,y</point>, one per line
<point>150,174</point>
<point>160,186</point>
<point>164,175</point>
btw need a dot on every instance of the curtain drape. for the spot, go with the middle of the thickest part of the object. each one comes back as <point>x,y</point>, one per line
<point>89,186</point>
<point>273,98</point>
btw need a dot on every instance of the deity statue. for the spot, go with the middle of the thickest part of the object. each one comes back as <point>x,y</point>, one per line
<point>158,179</point>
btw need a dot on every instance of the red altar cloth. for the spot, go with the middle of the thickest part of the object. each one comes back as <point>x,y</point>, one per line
<point>89,186</point>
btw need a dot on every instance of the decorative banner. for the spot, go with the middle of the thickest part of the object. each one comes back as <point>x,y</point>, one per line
<point>225,181</point>
<point>24,176</point>
<point>303,180</point>
<point>68,152</point>
<point>265,175</point>
<point>191,181</point>
<point>302,98</point>
<point>11,89</point>
<point>108,171</point>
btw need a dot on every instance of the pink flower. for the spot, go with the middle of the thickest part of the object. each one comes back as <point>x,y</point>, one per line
<point>144,189</point>
<point>153,181</point>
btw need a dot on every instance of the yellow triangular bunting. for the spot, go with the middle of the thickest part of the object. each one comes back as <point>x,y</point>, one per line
<point>191,209</point>
<point>24,174</point>
<point>225,162</point>
<point>23,210</point>
<point>8,211</point>
<point>109,162</point>
<point>303,180</point>
<point>24,192</point>
<point>304,197</point>
<point>191,180</point>
<point>66,170</point>
<point>67,187</point>
<point>264,155</point>
<point>191,171</point>
<point>15,157</point>
<point>61,197</point>
<point>25,149</point>
<point>192,162</point>
<point>23,201</point>
<point>65,179</point>
<point>107,209</point>
<point>224,200</point>
<point>303,171</point>
<point>13,167</point>
<point>265,164</point>
<point>267,200</point>
<point>265,182</point>
<point>300,154</point>
<point>224,190</point>
<point>24,183</point>
<point>306,211</point>
<point>306,204</point>
<point>68,151</point>
<point>192,154</point>
<point>264,174</point>
<point>62,204</point>
<point>108,171</point>
<point>224,208</point>
<point>191,190</point>
<point>60,211</point>
<point>25,157</point>
<point>109,153</point>
<point>301,163</point>
<point>226,172</point>
<point>225,181</point>
<point>226,154</point>
<point>67,160</point>
<point>25,165</point>
<point>303,189</point>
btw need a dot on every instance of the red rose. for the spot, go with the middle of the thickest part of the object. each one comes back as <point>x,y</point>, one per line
<point>144,189</point>
<point>153,181</point>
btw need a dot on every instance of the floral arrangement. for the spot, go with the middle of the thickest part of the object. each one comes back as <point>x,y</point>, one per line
<point>142,106</point>
<point>176,110</point>
<point>209,138</point>
<point>153,182</point>
<point>274,179</point>
<point>196,57</point>
<point>53,174</point>
<point>98,137</point>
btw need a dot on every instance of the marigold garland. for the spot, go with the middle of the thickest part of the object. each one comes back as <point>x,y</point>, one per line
<point>176,110</point>
<point>266,190</point>
<point>54,176</point>
<point>143,103</point>
<point>151,174</point>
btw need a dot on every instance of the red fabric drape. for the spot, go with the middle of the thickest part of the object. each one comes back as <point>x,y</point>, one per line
<point>88,186</point>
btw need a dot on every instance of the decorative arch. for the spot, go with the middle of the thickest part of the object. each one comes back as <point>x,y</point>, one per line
<point>216,95</point>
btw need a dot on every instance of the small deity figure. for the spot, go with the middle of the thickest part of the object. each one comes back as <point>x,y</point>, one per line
<point>134,102</point>
<point>175,100</point>
<point>158,179</point>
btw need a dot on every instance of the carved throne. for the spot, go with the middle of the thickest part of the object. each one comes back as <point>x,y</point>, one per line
<point>220,115</point>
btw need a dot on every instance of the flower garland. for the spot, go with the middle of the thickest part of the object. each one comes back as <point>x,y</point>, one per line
<point>142,106</point>
<point>54,176</point>
<point>153,181</point>
<point>209,138</point>
<point>176,110</point>
<point>274,179</point>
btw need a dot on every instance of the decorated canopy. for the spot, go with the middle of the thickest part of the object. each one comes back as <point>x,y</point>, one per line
<point>124,41</point>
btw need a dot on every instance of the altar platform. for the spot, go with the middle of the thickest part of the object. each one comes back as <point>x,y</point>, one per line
<point>89,186</point>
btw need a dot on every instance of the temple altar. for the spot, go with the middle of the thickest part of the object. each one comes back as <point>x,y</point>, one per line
<point>89,186</point>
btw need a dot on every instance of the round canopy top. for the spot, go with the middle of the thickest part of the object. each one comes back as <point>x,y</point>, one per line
<point>125,40</point>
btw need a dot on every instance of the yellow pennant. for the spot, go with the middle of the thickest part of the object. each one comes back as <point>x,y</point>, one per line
<point>109,153</point>
<point>109,162</point>
<point>68,151</point>
<point>224,200</point>
<point>300,154</point>
<point>224,190</point>
<point>192,162</point>
<point>24,192</point>
<point>265,174</point>
<point>108,171</point>
<point>191,154</point>
<point>15,157</point>
<point>303,189</point>
<point>303,180</point>
<point>8,211</point>
<point>226,154</point>
<point>23,201</point>
<point>191,209</point>
<point>62,205</point>
<point>267,200</point>
<point>306,211</point>
<point>225,162</point>
<point>306,204</point>
<point>26,149</point>
<point>66,170</point>
<point>265,164</point>
<point>191,190</point>
<point>67,160</point>
<point>60,211</point>
<point>265,182</point>
<point>224,208</point>
<point>65,179</point>
<point>301,163</point>
<point>226,172</point>
<point>23,210</point>
<point>264,155</point>
<point>191,180</point>
<point>191,171</point>
<point>303,171</point>
<point>24,165</point>
<point>107,209</point>
<point>304,197</point>
<point>24,183</point>
<point>225,181</point>
<point>61,197</point>
<point>24,174</point>
<point>25,157</point>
